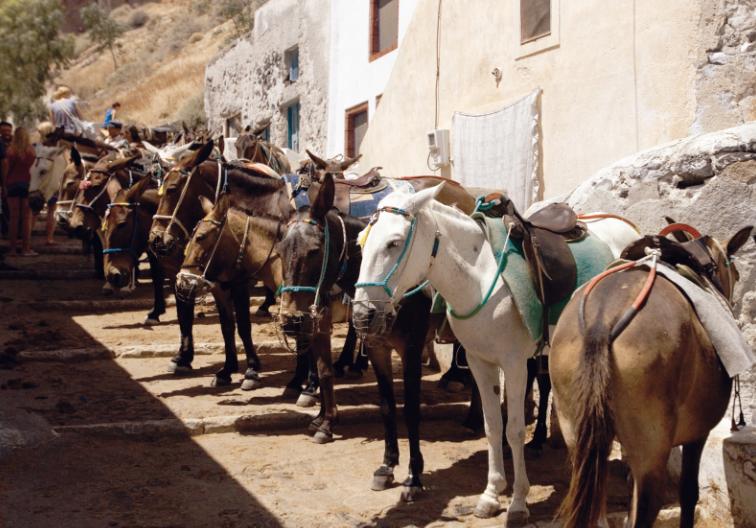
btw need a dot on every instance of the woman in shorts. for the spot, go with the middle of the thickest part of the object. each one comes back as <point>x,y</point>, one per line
<point>17,170</point>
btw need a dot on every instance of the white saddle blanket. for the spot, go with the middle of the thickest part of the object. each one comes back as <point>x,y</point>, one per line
<point>715,316</point>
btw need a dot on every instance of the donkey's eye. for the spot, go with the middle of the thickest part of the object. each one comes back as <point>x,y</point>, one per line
<point>393,244</point>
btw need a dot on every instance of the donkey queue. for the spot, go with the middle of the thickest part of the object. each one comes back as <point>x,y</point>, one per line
<point>397,257</point>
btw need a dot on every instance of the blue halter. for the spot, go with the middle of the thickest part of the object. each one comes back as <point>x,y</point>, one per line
<point>407,243</point>
<point>130,249</point>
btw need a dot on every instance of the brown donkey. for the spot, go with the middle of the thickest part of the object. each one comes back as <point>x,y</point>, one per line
<point>654,385</point>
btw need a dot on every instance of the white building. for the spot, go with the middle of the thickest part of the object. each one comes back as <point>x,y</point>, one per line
<point>311,73</point>
<point>365,40</point>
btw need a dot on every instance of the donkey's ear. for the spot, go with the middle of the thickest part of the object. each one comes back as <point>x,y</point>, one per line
<point>120,163</point>
<point>135,192</point>
<point>206,204</point>
<point>319,163</point>
<point>221,144</point>
<point>221,207</point>
<point>201,155</point>
<point>324,200</point>
<point>76,157</point>
<point>422,198</point>
<point>348,162</point>
<point>738,239</point>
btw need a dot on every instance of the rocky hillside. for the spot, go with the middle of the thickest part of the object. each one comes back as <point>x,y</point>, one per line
<point>161,62</point>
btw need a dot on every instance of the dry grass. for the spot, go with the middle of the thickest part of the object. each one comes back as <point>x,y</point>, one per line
<point>161,64</point>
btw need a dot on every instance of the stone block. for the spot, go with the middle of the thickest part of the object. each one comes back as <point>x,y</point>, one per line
<point>740,473</point>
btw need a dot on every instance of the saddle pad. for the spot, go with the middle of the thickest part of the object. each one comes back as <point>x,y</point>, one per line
<point>732,348</point>
<point>591,256</point>
<point>361,205</point>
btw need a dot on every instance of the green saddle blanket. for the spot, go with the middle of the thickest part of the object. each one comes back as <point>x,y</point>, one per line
<point>591,256</point>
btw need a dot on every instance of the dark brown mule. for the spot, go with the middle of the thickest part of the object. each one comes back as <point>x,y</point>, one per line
<point>252,148</point>
<point>255,189</point>
<point>125,228</point>
<point>320,251</point>
<point>658,384</point>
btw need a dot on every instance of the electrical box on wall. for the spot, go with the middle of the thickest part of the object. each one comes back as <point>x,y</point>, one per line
<point>438,147</point>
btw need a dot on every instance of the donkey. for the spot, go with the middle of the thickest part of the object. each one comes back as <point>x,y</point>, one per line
<point>414,238</point>
<point>321,252</point>
<point>256,189</point>
<point>656,384</point>
<point>125,229</point>
<point>252,148</point>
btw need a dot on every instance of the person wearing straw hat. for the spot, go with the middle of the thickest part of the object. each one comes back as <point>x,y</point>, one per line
<point>64,111</point>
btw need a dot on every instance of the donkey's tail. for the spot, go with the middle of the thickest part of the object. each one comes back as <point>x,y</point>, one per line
<point>594,430</point>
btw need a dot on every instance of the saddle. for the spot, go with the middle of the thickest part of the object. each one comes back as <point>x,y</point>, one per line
<point>544,236</point>
<point>693,254</point>
<point>347,190</point>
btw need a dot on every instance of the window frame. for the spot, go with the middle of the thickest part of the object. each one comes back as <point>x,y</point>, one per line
<point>539,44</point>
<point>373,35</point>
<point>289,136</point>
<point>349,148</point>
<point>291,64</point>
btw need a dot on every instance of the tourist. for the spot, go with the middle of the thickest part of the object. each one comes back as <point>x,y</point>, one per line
<point>110,114</point>
<point>64,111</point>
<point>115,137</point>
<point>17,166</point>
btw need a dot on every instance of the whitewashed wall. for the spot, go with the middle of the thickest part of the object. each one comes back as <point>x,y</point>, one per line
<point>353,78</point>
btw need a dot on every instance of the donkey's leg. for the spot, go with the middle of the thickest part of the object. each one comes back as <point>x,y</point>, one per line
<point>224,304</point>
<point>487,378</point>
<point>322,344</point>
<point>270,300</point>
<point>182,362</point>
<point>158,277</point>
<point>413,362</point>
<point>544,389</point>
<point>240,293</point>
<point>648,494</point>
<point>691,461</point>
<point>515,379</point>
<point>294,386</point>
<point>380,357</point>
<point>309,395</point>
<point>95,245</point>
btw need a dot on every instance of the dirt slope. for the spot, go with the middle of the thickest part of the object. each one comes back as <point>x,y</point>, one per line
<point>161,63</point>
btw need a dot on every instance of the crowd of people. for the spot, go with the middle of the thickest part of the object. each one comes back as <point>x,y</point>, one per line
<point>17,157</point>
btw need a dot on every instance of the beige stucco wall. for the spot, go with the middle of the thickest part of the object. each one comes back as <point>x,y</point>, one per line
<point>622,78</point>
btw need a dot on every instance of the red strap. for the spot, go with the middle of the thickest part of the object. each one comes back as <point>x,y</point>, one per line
<point>671,228</point>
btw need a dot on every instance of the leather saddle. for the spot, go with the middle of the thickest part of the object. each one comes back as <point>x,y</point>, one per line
<point>693,254</point>
<point>369,183</point>
<point>544,236</point>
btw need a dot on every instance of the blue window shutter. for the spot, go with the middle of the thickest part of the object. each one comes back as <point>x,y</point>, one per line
<point>292,115</point>
<point>294,68</point>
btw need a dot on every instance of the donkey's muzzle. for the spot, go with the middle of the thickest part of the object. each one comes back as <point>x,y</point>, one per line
<point>117,279</point>
<point>161,243</point>
<point>371,321</point>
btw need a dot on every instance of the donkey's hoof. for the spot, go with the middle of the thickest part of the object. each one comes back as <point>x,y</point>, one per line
<point>291,392</point>
<point>486,508</point>
<point>220,381</point>
<point>250,384</point>
<point>383,478</point>
<point>410,493</point>
<point>315,424</point>
<point>517,518</point>
<point>322,437</point>
<point>306,400</point>
<point>354,374</point>
<point>179,370</point>
<point>151,321</point>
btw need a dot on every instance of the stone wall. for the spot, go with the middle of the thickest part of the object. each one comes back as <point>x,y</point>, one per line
<point>708,181</point>
<point>249,78</point>
<point>725,86</point>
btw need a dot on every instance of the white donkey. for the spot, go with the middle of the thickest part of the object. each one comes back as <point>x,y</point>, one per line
<point>46,174</point>
<point>414,239</point>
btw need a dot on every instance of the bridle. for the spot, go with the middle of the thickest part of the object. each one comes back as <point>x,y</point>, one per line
<point>408,244</point>
<point>342,262</point>
<point>90,206</point>
<point>202,278</point>
<point>173,218</point>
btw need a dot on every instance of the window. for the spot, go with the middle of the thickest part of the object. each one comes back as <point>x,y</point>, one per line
<point>292,119</point>
<point>355,128</point>
<point>384,27</point>
<point>291,61</point>
<point>535,19</point>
